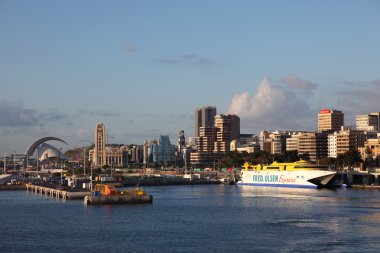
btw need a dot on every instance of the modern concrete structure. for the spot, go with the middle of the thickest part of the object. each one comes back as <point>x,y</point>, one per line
<point>99,156</point>
<point>228,129</point>
<point>180,149</point>
<point>245,139</point>
<point>181,140</point>
<point>265,141</point>
<point>165,151</point>
<point>204,117</point>
<point>159,151</point>
<point>273,142</point>
<point>330,120</point>
<point>332,145</point>
<point>47,154</point>
<point>292,141</point>
<point>152,152</point>
<point>107,155</point>
<point>279,141</point>
<point>204,155</point>
<point>371,148</point>
<point>312,146</point>
<point>344,140</point>
<point>145,152</point>
<point>368,122</point>
<point>249,148</point>
<point>377,114</point>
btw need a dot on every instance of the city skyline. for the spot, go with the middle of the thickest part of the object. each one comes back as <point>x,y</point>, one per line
<point>142,69</point>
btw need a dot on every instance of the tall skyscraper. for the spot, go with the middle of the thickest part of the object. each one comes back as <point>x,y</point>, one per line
<point>228,129</point>
<point>165,150</point>
<point>330,120</point>
<point>99,158</point>
<point>181,145</point>
<point>204,117</point>
<point>181,140</point>
<point>145,152</point>
<point>204,155</point>
<point>106,155</point>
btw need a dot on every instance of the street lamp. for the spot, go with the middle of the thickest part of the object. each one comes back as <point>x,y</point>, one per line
<point>5,163</point>
<point>14,166</point>
<point>84,161</point>
<point>91,178</point>
<point>60,151</point>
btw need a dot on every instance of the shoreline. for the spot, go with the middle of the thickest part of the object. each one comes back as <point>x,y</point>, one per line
<point>13,187</point>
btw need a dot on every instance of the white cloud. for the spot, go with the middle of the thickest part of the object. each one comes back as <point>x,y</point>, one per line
<point>294,82</point>
<point>272,107</point>
<point>18,116</point>
<point>187,59</point>
<point>376,83</point>
<point>360,100</point>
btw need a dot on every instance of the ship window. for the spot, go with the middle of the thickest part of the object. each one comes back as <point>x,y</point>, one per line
<point>272,168</point>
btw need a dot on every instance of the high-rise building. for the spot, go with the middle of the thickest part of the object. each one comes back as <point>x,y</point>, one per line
<point>181,146</point>
<point>204,155</point>
<point>99,158</point>
<point>153,150</point>
<point>145,152</point>
<point>165,150</point>
<point>330,120</point>
<point>292,141</point>
<point>273,142</point>
<point>181,140</point>
<point>204,117</point>
<point>312,146</point>
<point>265,141</point>
<point>344,140</point>
<point>368,122</point>
<point>377,114</point>
<point>228,129</point>
<point>278,141</point>
<point>110,155</point>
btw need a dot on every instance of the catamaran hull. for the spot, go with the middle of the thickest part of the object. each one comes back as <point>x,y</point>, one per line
<point>294,179</point>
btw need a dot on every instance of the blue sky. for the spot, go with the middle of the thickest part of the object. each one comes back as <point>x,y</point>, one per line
<point>142,67</point>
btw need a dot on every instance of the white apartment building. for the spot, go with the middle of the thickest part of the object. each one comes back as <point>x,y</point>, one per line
<point>368,122</point>
<point>332,145</point>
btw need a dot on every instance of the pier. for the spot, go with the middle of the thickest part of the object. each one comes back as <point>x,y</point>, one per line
<point>56,193</point>
<point>360,178</point>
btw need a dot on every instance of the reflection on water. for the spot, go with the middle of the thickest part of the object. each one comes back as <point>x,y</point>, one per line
<point>208,218</point>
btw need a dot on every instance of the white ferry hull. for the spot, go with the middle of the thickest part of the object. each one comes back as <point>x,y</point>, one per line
<point>295,179</point>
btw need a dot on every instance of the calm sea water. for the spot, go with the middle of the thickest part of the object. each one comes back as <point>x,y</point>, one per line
<point>205,218</point>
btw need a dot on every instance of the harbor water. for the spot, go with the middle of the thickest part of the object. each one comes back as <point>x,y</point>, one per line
<point>201,218</point>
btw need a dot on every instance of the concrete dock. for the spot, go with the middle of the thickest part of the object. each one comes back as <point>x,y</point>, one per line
<point>111,200</point>
<point>56,193</point>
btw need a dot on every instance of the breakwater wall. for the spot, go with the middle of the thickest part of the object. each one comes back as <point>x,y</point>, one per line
<point>110,200</point>
<point>156,181</point>
<point>358,178</point>
<point>56,193</point>
<point>13,187</point>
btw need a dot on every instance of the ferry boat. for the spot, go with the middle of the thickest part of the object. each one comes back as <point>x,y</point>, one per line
<point>299,174</point>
